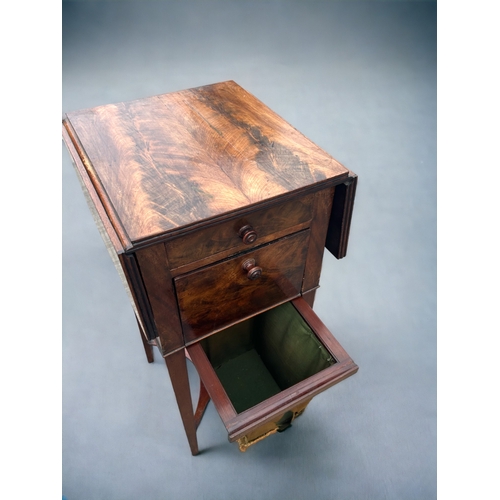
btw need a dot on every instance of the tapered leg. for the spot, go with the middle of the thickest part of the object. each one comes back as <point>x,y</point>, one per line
<point>148,349</point>
<point>177,369</point>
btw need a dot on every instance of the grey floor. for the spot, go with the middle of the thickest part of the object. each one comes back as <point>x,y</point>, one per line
<point>359,79</point>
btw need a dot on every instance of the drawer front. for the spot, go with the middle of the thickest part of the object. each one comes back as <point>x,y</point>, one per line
<point>262,372</point>
<point>279,424</point>
<point>217,296</point>
<point>239,234</point>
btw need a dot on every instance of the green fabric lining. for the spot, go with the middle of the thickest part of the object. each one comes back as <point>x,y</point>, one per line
<point>264,355</point>
<point>288,347</point>
<point>246,380</point>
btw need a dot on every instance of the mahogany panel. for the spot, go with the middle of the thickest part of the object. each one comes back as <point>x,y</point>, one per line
<point>219,295</point>
<point>319,226</point>
<point>158,283</point>
<point>340,220</point>
<point>225,236</point>
<point>173,160</point>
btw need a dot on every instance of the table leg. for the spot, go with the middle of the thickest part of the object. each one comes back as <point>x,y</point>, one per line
<point>177,369</point>
<point>148,349</point>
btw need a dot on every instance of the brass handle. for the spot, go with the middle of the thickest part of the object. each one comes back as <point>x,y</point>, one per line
<point>253,271</point>
<point>244,443</point>
<point>247,234</point>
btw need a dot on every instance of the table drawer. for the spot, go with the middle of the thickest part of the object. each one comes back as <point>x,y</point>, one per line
<point>262,372</point>
<point>217,296</point>
<point>241,233</point>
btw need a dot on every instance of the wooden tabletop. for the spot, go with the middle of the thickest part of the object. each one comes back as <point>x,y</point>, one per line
<point>171,160</point>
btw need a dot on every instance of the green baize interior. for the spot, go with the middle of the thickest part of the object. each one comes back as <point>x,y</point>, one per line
<point>260,357</point>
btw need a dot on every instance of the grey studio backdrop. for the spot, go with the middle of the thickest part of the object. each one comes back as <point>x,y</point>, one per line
<point>359,79</point>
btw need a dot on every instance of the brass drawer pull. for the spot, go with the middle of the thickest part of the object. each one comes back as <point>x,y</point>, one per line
<point>247,234</point>
<point>244,443</point>
<point>253,271</point>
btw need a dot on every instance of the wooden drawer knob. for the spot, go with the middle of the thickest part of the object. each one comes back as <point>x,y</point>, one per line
<point>253,271</point>
<point>247,234</point>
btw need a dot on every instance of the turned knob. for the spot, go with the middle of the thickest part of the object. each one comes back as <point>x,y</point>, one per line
<point>253,271</point>
<point>247,234</point>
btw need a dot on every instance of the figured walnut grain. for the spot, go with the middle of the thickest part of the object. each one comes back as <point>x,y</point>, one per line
<point>172,160</point>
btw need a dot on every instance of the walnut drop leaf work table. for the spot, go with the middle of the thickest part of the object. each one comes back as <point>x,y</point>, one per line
<point>216,213</point>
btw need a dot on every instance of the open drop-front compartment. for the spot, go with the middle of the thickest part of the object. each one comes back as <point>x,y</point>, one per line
<point>262,372</point>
